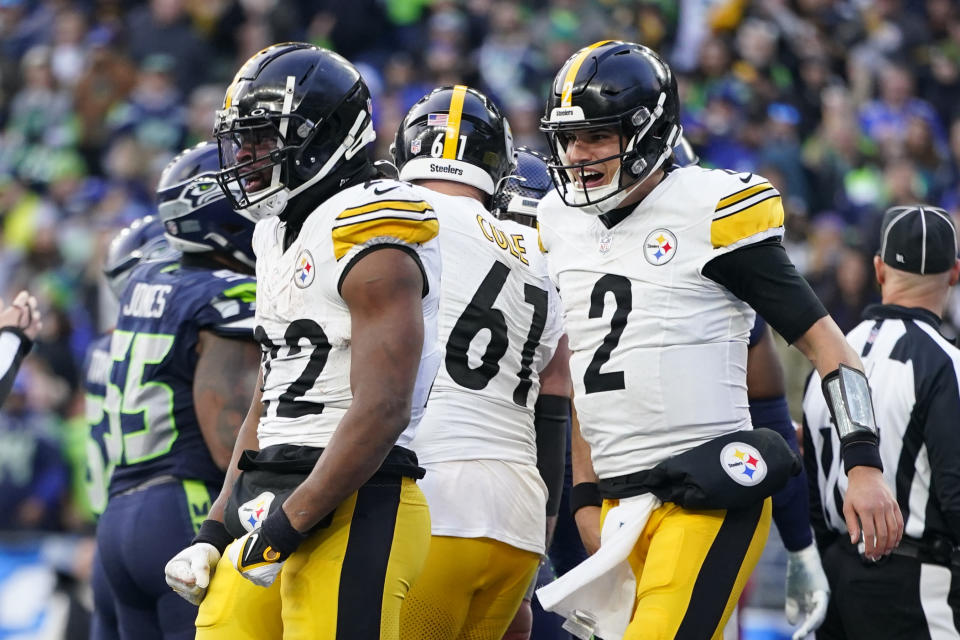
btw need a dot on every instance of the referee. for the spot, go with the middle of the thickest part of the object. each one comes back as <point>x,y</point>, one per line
<point>19,325</point>
<point>913,371</point>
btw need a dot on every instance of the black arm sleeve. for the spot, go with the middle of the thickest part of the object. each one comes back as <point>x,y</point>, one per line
<point>762,276</point>
<point>14,346</point>
<point>550,421</point>
<point>939,415</point>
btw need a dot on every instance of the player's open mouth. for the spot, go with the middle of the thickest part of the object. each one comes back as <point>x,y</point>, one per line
<point>588,179</point>
<point>255,182</point>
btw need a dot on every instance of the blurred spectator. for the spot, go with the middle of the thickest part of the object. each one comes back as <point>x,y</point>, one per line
<point>33,474</point>
<point>886,119</point>
<point>153,115</point>
<point>163,27</point>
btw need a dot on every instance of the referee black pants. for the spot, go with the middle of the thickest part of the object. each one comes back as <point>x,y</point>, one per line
<point>898,598</point>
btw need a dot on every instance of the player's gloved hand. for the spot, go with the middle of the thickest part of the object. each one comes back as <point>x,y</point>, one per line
<point>260,554</point>
<point>808,591</point>
<point>188,573</point>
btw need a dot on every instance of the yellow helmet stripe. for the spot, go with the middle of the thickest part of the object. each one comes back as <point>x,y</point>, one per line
<point>566,92</point>
<point>453,122</point>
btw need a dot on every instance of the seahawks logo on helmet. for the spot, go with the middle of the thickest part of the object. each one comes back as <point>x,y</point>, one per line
<point>202,192</point>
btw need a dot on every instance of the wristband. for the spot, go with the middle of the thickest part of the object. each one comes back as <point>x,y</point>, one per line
<point>281,535</point>
<point>584,494</point>
<point>215,533</point>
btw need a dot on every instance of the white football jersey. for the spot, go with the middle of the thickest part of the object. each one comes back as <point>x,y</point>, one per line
<point>658,350</point>
<point>499,327</point>
<point>303,324</point>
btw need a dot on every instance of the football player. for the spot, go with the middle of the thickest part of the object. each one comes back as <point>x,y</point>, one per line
<point>141,241</point>
<point>182,365</point>
<point>659,270</point>
<point>501,398</point>
<point>321,489</point>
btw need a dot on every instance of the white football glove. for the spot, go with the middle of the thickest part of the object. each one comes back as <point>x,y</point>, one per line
<point>808,591</point>
<point>255,559</point>
<point>188,573</point>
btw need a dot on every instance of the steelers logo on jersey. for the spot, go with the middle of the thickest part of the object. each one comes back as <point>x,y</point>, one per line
<point>743,463</point>
<point>660,247</point>
<point>303,273</point>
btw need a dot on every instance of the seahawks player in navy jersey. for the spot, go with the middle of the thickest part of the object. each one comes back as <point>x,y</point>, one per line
<point>182,367</point>
<point>142,241</point>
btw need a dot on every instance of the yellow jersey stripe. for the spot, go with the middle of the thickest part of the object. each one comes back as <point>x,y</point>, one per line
<point>566,91</point>
<point>764,215</point>
<point>743,194</point>
<point>403,229</point>
<point>453,122</point>
<point>418,206</point>
<point>540,240</point>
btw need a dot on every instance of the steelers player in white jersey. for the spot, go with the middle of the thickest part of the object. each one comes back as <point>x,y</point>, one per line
<point>330,526</point>
<point>503,381</point>
<point>660,270</point>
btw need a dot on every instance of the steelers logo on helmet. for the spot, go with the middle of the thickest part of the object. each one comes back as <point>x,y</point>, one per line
<point>743,464</point>
<point>296,116</point>
<point>613,87</point>
<point>456,134</point>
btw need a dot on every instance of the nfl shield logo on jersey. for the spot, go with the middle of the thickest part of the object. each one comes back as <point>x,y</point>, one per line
<point>303,274</point>
<point>659,247</point>
<point>253,512</point>
<point>743,463</point>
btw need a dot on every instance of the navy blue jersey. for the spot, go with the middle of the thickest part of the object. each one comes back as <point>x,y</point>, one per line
<point>758,330</point>
<point>149,398</point>
<point>101,450</point>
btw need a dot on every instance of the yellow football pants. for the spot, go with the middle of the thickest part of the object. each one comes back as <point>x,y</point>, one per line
<point>470,589</point>
<point>345,582</point>
<point>691,567</point>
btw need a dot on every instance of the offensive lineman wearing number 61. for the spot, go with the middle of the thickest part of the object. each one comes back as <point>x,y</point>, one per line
<point>660,270</point>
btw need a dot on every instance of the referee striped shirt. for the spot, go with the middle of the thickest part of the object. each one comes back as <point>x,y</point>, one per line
<point>914,375</point>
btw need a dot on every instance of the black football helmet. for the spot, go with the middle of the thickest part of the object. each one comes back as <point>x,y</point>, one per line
<point>458,134</point>
<point>518,195</point>
<point>293,117</point>
<point>612,85</point>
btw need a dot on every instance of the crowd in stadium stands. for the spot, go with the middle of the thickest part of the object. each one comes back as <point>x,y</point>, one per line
<point>847,106</point>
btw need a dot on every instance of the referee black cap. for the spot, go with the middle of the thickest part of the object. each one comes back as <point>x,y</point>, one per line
<point>919,239</point>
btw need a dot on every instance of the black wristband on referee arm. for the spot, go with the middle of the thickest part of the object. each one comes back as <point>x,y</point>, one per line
<point>213,532</point>
<point>847,393</point>
<point>584,494</point>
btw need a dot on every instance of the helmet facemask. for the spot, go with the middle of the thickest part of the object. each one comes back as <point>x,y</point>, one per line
<point>644,146</point>
<point>268,156</point>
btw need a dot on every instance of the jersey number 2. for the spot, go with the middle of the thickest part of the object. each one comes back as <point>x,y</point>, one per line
<point>593,380</point>
<point>480,314</point>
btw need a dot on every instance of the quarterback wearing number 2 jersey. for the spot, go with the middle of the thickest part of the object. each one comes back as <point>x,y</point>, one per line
<point>660,269</point>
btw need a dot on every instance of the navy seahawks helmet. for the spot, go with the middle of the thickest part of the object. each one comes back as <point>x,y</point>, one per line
<point>457,134</point>
<point>141,241</point>
<point>295,116</point>
<point>518,195</point>
<point>684,154</point>
<point>195,214</point>
<point>611,85</point>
